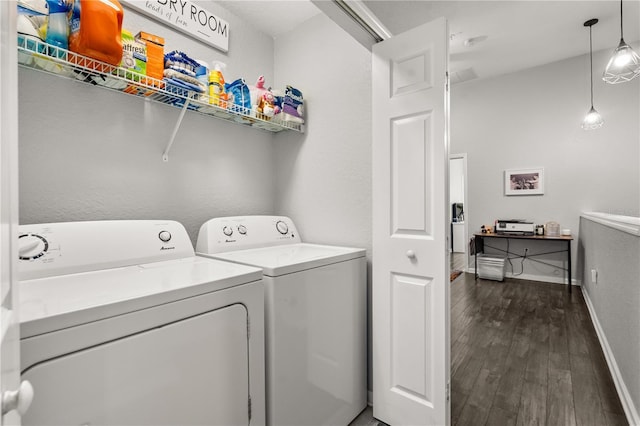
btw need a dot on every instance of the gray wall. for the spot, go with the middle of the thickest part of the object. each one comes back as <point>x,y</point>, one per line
<point>615,298</point>
<point>532,119</point>
<point>324,181</point>
<point>90,154</point>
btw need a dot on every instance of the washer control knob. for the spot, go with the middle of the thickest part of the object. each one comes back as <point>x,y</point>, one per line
<point>282,227</point>
<point>228,231</point>
<point>32,246</point>
<point>165,236</point>
<point>242,229</point>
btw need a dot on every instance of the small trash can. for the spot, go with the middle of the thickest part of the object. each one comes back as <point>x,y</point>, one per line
<point>491,267</point>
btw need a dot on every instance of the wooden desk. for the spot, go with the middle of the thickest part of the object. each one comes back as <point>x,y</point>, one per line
<point>479,246</point>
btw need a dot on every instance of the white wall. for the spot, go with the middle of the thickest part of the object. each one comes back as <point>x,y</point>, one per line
<point>323,182</point>
<point>456,180</point>
<point>532,119</point>
<point>90,154</point>
<point>613,302</point>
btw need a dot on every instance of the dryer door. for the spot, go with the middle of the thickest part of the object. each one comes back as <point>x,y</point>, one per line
<point>194,371</point>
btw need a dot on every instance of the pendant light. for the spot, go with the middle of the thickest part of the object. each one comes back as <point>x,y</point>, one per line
<point>624,64</point>
<point>593,120</point>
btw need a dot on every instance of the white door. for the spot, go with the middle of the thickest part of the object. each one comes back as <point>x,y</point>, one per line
<point>410,228</point>
<point>9,337</point>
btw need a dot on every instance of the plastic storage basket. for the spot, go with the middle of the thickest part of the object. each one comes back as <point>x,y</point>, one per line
<point>491,267</point>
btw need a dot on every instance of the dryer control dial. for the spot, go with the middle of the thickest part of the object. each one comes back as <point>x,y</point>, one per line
<point>282,227</point>
<point>242,229</point>
<point>228,231</point>
<point>32,246</point>
<point>165,236</point>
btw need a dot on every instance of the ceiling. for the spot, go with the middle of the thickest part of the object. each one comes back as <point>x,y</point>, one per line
<point>272,17</point>
<point>506,36</point>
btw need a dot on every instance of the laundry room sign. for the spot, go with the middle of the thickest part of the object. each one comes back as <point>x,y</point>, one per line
<point>187,17</point>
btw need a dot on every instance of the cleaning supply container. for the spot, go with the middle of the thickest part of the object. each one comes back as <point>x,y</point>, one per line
<point>217,85</point>
<point>96,28</point>
<point>57,28</point>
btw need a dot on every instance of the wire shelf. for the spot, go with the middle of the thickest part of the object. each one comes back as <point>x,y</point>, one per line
<point>35,54</point>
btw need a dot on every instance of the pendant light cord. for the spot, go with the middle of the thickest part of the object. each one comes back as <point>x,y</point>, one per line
<point>591,64</point>
<point>621,36</point>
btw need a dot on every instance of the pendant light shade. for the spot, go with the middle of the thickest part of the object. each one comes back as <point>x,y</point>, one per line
<point>624,64</point>
<point>593,119</point>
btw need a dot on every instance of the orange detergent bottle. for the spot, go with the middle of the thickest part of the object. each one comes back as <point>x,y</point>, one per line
<point>96,28</point>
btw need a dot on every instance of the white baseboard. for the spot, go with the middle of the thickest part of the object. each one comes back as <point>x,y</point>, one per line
<point>532,277</point>
<point>630,409</point>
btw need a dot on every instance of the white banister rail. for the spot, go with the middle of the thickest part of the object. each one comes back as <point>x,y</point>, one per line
<point>628,224</point>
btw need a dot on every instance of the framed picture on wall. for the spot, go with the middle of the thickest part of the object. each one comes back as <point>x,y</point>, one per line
<point>524,181</point>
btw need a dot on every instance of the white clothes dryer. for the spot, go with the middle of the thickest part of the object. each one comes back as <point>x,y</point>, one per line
<point>122,324</point>
<point>315,317</point>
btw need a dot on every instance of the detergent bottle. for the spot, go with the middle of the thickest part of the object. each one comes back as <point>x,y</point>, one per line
<point>217,95</point>
<point>96,30</point>
<point>57,27</point>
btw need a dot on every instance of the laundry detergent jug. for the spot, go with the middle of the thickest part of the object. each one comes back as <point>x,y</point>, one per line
<point>96,28</point>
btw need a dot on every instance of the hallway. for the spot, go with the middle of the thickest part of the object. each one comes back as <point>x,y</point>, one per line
<point>526,352</point>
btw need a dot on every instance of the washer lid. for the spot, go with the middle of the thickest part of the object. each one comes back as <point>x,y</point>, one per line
<point>54,303</point>
<point>280,260</point>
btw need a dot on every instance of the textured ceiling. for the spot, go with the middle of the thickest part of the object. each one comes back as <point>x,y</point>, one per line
<point>505,36</point>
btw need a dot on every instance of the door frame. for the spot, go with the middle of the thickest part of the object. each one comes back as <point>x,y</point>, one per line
<point>463,157</point>
<point>9,325</point>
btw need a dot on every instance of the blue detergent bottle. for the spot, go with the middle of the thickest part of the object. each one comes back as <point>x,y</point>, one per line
<point>57,26</point>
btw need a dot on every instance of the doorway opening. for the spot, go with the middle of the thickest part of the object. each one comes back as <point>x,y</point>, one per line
<point>458,213</point>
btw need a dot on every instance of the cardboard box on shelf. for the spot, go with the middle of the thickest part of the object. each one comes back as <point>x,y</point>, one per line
<point>155,54</point>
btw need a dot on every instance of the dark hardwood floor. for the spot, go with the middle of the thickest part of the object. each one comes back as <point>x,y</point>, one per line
<point>458,261</point>
<point>524,353</point>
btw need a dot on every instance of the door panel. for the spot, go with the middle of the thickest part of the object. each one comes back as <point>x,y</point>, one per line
<point>410,228</point>
<point>411,74</point>
<point>410,187</point>
<point>411,358</point>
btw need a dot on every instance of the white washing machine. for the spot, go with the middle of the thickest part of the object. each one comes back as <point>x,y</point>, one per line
<point>315,317</point>
<point>121,324</point>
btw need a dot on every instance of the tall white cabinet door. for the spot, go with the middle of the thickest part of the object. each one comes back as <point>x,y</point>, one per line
<point>410,228</point>
<point>9,339</point>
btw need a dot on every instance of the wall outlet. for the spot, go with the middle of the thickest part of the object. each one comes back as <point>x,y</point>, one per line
<point>594,276</point>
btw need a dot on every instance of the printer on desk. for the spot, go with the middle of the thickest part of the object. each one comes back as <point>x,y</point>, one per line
<point>514,227</point>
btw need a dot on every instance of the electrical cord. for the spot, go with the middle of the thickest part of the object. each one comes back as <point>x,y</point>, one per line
<point>526,256</point>
<point>521,264</point>
<point>523,258</point>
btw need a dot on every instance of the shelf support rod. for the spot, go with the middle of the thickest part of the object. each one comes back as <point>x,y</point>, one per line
<point>165,154</point>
